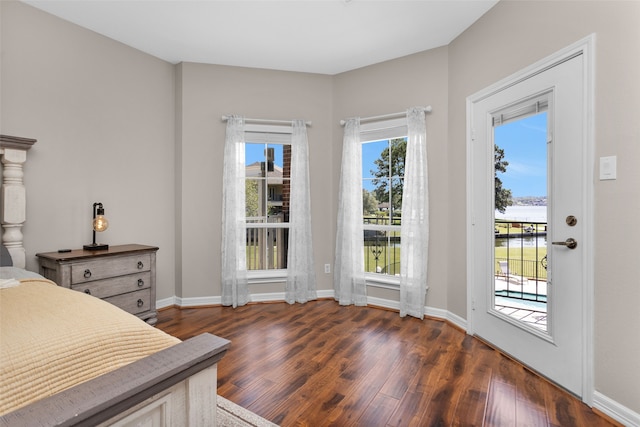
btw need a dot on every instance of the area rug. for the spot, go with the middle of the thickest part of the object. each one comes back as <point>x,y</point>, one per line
<point>231,415</point>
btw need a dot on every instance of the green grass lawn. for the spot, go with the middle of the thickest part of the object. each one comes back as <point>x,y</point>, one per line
<point>530,261</point>
<point>526,253</point>
<point>508,228</point>
<point>388,258</point>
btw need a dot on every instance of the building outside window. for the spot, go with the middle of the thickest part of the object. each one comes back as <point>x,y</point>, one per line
<point>267,191</point>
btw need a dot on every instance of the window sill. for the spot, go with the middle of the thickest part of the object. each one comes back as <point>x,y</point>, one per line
<point>257,277</point>
<point>382,281</point>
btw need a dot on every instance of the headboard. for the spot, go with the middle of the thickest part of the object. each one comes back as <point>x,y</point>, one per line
<point>13,213</point>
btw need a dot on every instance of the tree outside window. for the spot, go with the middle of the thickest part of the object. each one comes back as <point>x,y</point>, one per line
<point>383,165</point>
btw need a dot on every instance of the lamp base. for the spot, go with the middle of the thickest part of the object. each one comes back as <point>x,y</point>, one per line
<point>96,247</point>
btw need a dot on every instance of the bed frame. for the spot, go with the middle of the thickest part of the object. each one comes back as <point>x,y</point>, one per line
<point>176,386</point>
<point>13,152</point>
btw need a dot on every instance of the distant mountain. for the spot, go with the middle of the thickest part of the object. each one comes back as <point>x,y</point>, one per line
<point>530,201</point>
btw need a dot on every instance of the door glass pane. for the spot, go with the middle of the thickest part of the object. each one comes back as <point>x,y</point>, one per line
<point>520,228</point>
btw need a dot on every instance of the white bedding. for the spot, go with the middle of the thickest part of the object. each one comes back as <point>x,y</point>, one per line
<point>17,273</point>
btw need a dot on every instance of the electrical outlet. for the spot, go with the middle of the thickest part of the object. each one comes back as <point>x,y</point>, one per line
<point>327,268</point>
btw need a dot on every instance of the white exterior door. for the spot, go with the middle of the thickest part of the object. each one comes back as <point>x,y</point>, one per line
<point>558,346</point>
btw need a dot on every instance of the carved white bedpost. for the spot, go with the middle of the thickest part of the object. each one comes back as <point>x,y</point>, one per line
<point>14,200</point>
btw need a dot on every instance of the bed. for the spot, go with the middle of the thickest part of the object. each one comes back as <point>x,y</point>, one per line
<point>69,359</point>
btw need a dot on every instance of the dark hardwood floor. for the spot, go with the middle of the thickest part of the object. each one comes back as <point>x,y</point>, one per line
<point>321,364</point>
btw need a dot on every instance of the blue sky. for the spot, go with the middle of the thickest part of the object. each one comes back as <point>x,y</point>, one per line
<point>523,141</point>
<point>255,153</point>
<point>370,153</point>
<point>525,148</point>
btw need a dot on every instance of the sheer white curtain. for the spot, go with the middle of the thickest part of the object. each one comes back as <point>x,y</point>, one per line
<point>301,278</point>
<point>234,229</point>
<point>348,275</point>
<point>415,218</point>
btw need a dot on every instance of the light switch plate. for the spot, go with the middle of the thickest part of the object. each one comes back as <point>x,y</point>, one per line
<point>608,168</point>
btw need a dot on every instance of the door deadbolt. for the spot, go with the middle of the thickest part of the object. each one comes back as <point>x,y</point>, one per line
<point>571,220</point>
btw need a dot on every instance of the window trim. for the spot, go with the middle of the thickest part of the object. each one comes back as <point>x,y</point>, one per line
<point>378,280</point>
<point>258,277</point>
<point>383,130</point>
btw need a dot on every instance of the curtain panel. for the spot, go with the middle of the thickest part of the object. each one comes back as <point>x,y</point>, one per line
<point>348,275</point>
<point>414,230</point>
<point>235,291</point>
<point>301,279</point>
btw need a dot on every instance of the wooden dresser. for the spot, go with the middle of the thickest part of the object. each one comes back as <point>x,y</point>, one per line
<point>123,275</point>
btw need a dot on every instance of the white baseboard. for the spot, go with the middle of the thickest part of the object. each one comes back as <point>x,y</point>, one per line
<point>384,303</point>
<point>326,293</point>
<point>188,302</point>
<point>270,297</point>
<point>604,404</point>
<point>615,410</point>
<point>166,302</point>
<point>216,300</point>
<point>438,313</point>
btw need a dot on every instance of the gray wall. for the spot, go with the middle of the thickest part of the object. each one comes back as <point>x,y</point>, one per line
<point>152,133</point>
<point>103,115</point>
<point>206,93</point>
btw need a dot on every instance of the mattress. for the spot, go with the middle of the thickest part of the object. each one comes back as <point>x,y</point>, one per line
<point>52,338</point>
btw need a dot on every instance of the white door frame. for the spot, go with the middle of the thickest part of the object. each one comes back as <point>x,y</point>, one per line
<point>586,47</point>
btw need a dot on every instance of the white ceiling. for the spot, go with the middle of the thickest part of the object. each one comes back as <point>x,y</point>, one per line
<point>317,36</point>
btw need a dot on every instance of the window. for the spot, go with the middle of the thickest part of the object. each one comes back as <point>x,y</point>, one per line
<point>382,182</point>
<point>267,190</point>
<point>400,181</point>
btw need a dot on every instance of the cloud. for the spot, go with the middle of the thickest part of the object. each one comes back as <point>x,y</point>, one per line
<point>526,169</point>
<point>533,127</point>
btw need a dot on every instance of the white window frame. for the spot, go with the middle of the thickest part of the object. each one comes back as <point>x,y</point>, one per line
<point>275,135</point>
<point>379,131</point>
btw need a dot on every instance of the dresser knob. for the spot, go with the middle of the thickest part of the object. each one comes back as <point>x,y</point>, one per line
<point>140,303</point>
<point>140,283</point>
<point>140,265</point>
<point>87,291</point>
<point>87,273</point>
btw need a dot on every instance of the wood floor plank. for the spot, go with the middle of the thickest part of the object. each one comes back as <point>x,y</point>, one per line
<point>472,401</point>
<point>559,410</point>
<point>466,393</point>
<point>379,411</point>
<point>451,386</point>
<point>501,403</point>
<point>410,409</point>
<point>527,387</point>
<point>322,364</point>
<point>530,415</point>
<point>312,404</point>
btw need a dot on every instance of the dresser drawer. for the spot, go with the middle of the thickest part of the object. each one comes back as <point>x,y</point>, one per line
<point>115,286</point>
<point>133,302</point>
<point>109,267</point>
<point>123,275</point>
